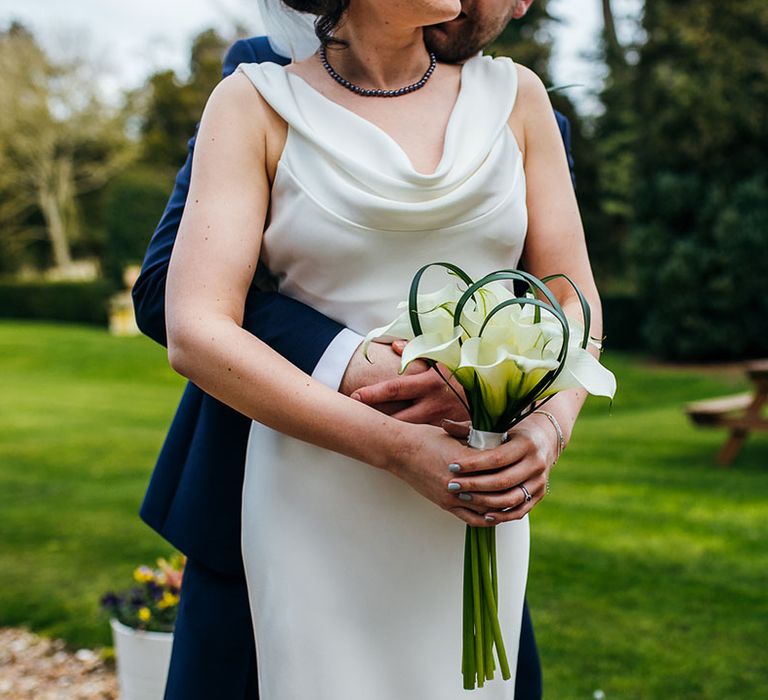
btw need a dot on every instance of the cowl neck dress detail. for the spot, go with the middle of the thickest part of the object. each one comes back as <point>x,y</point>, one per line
<point>347,196</point>
<point>387,140</point>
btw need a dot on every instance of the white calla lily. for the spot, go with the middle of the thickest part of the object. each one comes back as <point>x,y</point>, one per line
<point>482,363</point>
<point>583,370</point>
<point>440,347</point>
<point>484,300</point>
<point>435,316</point>
<point>494,293</point>
<point>400,328</point>
<point>448,296</point>
<point>501,373</point>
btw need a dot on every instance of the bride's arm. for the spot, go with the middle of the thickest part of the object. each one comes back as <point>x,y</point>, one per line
<point>554,243</point>
<point>209,273</point>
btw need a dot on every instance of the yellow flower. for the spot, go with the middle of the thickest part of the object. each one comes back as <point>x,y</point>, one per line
<point>143,574</point>
<point>171,572</point>
<point>144,614</point>
<point>168,600</point>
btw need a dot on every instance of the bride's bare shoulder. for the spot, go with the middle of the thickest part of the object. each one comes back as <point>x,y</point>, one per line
<point>532,109</point>
<point>531,91</point>
<point>236,98</point>
<point>236,106</point>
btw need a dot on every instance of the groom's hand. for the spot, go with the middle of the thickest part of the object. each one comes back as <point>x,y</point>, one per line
<point>384,366</point>
<point>418,396</point>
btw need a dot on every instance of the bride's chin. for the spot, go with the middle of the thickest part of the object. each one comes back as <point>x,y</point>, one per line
<point>438,11</point>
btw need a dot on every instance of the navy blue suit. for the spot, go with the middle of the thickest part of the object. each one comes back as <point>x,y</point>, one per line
<point>194,496</point>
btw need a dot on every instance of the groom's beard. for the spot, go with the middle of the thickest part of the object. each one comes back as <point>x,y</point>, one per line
<point>463,37</point>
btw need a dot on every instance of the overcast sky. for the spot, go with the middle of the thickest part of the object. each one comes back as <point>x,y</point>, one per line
<point>138,36</point>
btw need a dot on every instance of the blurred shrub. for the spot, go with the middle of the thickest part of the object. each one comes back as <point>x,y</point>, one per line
<point>700,186</point>
<point>133,205</point>
<point>623,319</point>
<point>74,302</point>
<point>703,285</point>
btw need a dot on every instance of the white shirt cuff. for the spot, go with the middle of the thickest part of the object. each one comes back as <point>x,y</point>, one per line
<point>332,365</point>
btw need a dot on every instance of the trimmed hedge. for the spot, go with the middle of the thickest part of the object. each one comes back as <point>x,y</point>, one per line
<point>74,302</point>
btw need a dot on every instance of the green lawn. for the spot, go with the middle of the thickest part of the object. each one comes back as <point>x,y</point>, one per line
<point>649,563</point>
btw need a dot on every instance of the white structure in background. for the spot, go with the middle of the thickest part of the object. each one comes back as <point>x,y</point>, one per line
<point>122,320</point>
<point>143,659</point>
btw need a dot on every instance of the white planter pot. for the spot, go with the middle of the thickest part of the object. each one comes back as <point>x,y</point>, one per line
<point>142,661</point>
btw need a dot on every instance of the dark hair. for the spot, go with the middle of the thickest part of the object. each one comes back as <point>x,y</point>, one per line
<point>329,14</point>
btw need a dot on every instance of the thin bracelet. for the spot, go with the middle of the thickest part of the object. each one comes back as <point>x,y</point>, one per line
<point>558,429</point>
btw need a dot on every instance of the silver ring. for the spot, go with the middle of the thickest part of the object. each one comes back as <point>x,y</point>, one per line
<point>528,496</point>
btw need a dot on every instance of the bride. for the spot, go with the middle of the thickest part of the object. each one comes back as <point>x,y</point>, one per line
<point>345,172</point>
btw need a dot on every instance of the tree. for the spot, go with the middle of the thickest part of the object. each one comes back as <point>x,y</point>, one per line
<point>701,177</point>
<point>131,207</point>
<point>173,107</point>
<point>57,137</point>
<point>529,42</point>
<point>614,145</point>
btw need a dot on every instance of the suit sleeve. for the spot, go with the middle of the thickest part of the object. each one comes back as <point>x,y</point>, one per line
<point>565,131</point>
<point>296,331</point>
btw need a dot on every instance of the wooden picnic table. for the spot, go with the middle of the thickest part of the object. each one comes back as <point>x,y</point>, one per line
<point>741,413</point>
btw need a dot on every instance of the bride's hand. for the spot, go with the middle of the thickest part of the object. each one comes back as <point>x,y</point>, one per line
<point>423,463</point>
<point>526,460</point>
<point>435,464</point>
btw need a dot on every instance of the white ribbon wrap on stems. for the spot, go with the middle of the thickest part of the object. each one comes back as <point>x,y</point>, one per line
<point>483,440</point>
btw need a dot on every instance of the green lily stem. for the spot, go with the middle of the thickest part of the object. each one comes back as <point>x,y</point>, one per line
<point>481,628</point>
<point>468,670</point>
<point>477,607</point>
<point>449,385</point>
<point>490,665</point>
<point>490,601</point>
<point>494,571</point>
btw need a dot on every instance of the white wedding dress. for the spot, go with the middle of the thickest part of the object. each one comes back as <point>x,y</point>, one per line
<point>355,580</point>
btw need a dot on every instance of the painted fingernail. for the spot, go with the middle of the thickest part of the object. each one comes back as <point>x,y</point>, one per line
<point>490,519</point>
<point>454,486</point>
<point>465,496</point>
<point>455,468</point>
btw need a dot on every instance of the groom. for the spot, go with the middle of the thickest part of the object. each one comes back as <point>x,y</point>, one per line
<point>194,496</point>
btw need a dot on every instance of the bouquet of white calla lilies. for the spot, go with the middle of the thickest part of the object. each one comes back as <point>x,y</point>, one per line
<point>510,354</point>
<point>510,351</point>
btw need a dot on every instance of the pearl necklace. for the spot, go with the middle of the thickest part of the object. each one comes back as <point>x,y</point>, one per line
<point>379,92</point>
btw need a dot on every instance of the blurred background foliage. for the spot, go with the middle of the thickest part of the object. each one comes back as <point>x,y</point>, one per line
<point>672,176</point>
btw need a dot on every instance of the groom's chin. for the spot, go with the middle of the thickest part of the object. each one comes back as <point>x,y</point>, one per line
<point>448,40</point>
<point>451,28</point>
<point>448,45</point>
